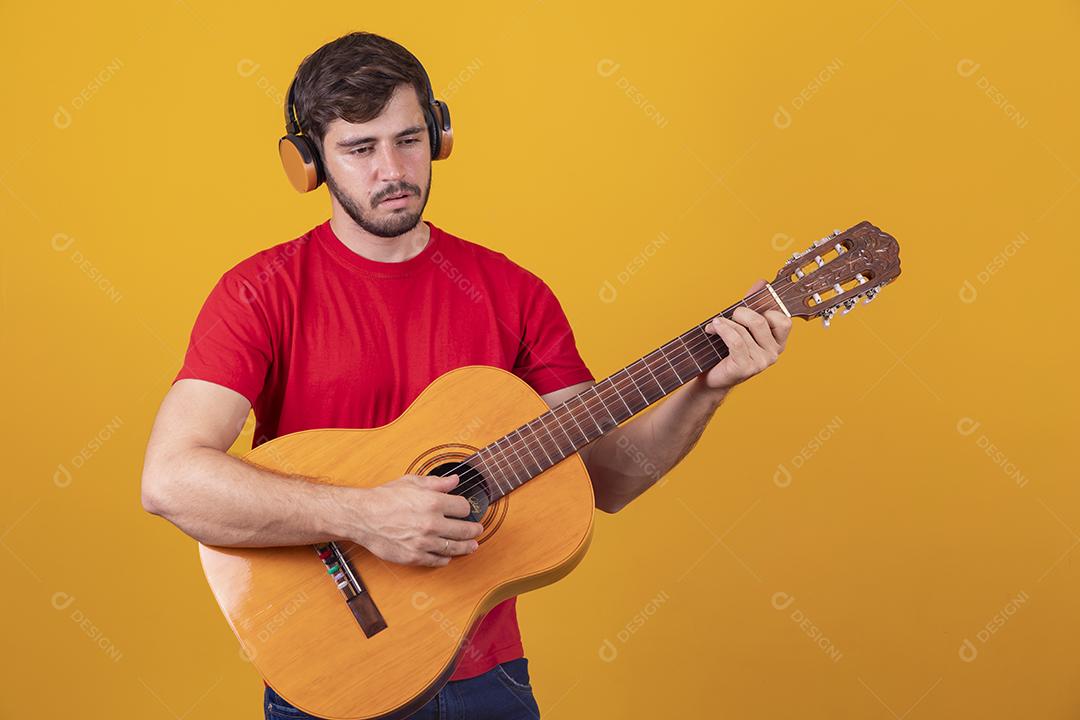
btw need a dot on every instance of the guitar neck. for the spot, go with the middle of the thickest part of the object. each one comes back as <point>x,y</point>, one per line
<point>530,449</point>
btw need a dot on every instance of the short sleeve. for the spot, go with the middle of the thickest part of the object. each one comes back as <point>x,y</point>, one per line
<point>230,343</point>
<point>548,358</point>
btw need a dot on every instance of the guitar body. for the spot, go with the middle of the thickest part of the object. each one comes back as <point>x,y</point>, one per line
<point>293,621</point>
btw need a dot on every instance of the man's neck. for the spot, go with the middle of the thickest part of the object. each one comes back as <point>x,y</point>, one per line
<point>381,249</point>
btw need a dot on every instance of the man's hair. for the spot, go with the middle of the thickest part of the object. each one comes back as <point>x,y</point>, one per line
<point>352,78</point>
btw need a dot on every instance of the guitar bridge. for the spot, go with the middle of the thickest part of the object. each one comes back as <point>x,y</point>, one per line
<point>352,589</point>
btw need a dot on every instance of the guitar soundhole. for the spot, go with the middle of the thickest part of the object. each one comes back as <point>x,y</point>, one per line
<point>471,485</point>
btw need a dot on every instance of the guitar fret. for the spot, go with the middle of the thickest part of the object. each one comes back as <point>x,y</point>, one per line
<point>687,351</point>
<point>507,460</point>
<point>619,394</point>
<point>504,465</point>
<point>589,412</point>
<point>710,344</point>
<point>558,446</point>
<point>517,456</point>
<point>540,467</point>
<point>648,367</point>
<point>596,393</point>
<point>638,388</point>
<point>489,472</point>
<point>663,353</point>
<point>532,434</point>
<point>562,427</point>
<point>574,418</point>
<point>656,366</point>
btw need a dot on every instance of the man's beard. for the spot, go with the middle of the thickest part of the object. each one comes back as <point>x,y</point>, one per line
<point>393,225</point>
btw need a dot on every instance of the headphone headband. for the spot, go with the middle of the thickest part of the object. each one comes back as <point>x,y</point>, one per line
<point>292,123</point>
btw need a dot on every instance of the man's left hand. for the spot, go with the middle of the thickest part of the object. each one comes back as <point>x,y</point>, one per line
<point>754,340</point>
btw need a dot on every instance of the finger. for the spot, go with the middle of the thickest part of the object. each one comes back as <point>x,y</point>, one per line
<point>781,326</point>
<point>450,505</point>
<point>747,346</point>
<point>455,506</point>
<point>736,341</point>
<point>752,357</point>
<point>757,286</point>
<point>433,560</point>
<point>759,328</point>
<point>442,483</point>
<point>457,529</point>
<point>450,548</point>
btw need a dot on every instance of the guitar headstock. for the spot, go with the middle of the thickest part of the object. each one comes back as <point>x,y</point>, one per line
<point>837,270</point>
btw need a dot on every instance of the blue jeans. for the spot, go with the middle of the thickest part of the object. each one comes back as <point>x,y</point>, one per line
<point>503,692</point>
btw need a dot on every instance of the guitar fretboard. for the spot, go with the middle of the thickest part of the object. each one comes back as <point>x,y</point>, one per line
<point>530,449</point>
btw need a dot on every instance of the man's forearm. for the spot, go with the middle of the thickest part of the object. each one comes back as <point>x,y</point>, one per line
<point>630,459</point>
<point>222,500</point>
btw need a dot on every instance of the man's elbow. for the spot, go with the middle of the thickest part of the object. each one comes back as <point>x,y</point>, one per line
<point>152,501</point>
<point>608,501</point>
<point>609,506</point>
<point>604,496</point>
<point>155,492</point>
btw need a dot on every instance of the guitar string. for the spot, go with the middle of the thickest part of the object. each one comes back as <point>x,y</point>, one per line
<point>608,390</point>
<point>689,350</point>
<point>613,390</point>
<point>607,393</point>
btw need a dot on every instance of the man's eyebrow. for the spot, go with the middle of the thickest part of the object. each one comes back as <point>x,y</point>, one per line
<point>352,141</point>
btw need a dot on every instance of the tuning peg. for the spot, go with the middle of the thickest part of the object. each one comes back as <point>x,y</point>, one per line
<point>827,316</point>
<point>849,304</point>
<point>871,294</point>
<point>825,239</point>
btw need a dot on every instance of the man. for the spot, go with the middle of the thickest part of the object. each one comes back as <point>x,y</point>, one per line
<point>345,325</point>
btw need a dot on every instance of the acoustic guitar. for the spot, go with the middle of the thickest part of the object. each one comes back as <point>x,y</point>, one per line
<point>343,634</point>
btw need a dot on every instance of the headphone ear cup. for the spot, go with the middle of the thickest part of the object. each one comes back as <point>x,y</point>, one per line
<point>432,131</point>
<point>301,162</point>
<point>440,128</point>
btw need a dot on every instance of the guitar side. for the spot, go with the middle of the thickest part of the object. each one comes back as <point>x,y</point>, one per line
<point>292,620</point>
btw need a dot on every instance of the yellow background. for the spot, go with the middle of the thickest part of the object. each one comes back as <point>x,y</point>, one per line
<point>583,133</point>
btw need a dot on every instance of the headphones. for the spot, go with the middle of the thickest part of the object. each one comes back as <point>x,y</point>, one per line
<point>300,157</point>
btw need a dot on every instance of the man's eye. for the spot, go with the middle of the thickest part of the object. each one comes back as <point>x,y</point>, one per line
<point>364,150</point>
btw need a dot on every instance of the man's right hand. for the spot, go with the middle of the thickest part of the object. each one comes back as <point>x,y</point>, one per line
<point>413,521</point>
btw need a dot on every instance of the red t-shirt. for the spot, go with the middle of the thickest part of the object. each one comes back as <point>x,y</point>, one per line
<point>317,336</point>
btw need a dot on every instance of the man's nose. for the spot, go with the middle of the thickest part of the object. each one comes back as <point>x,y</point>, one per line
<point>391,165</point>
